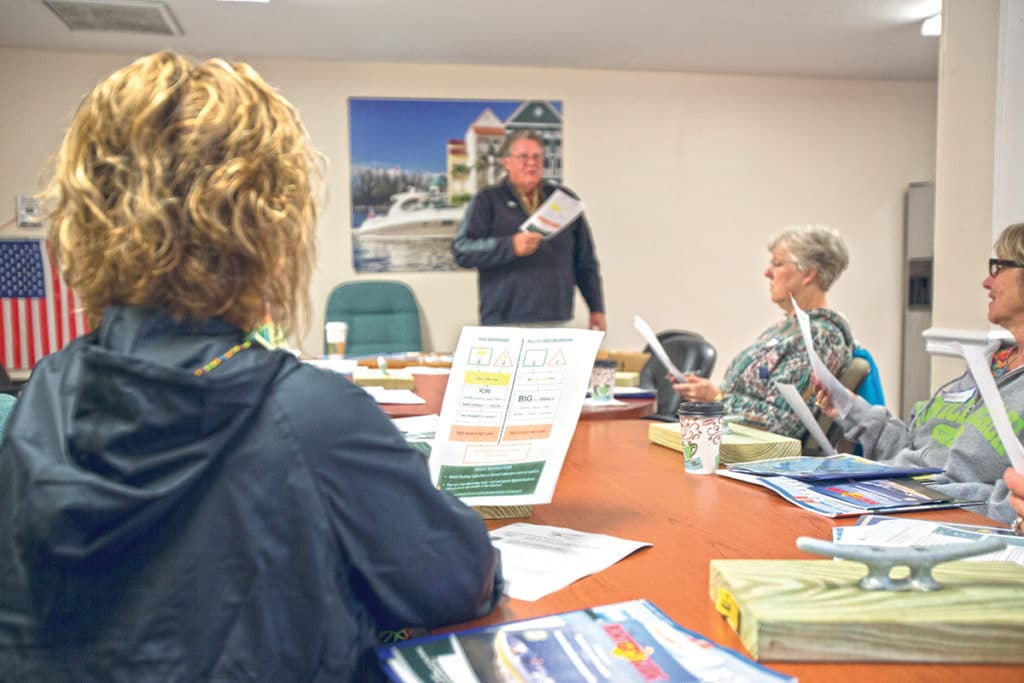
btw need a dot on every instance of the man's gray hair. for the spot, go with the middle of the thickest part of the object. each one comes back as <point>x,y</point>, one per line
<point>515,136</point>
<point>815,246</point>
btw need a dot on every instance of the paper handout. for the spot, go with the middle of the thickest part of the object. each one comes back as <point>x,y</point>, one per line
<point>652,340</point>
<point>841,398</point>
<point>557,211</point>
<point>881,530</point>
<point>538,559</point>
<point>796,402</point>
<point>978,364</point>
<point>513,399</point>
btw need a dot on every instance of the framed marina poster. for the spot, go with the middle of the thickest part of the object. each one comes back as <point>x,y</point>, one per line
<point>416,164</point>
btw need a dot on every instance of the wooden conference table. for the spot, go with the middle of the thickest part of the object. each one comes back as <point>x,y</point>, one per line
<point>615,482</point>
<point>431,388</point>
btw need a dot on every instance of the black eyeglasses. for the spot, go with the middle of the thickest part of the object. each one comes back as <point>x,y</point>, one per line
<point>997,264</point>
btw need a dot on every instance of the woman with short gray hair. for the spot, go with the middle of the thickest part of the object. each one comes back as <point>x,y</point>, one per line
<point>815,246</point>
<point>805,262</point>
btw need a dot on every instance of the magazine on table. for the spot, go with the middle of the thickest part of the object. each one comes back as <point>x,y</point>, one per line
<point>620,643</point>
<point>884,494</point>
<point>830,468</point>
<point>850,498</point>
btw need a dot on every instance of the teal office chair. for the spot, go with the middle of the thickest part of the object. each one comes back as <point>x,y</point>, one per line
<point>382,316</point>
<point>6,406</point>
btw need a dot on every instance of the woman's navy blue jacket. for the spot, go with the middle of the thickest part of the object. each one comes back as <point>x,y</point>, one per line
<point>260,522</point>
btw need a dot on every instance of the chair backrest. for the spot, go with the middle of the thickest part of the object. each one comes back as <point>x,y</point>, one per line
<point>851,377</point>
<point>6,406</point>
<point>382,317</point>
<point>690,352</point>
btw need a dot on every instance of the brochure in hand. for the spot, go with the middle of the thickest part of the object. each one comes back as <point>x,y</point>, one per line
<point>620,643</point>
<point>830,468</point>
<point>558,211</point>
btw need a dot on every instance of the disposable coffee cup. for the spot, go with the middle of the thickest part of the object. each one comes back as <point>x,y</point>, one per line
<point>701,427</point>
<point>602,380</point>
<point>337,332</point>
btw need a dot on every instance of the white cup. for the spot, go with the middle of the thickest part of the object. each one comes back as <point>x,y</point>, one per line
<point>602,380</point>
<point>701,428</point>
<point>337,333</point>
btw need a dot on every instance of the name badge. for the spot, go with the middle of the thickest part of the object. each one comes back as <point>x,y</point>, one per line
<point>959,396</point>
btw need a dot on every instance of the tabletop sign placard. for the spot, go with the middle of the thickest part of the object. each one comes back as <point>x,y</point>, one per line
<point>514,397</point>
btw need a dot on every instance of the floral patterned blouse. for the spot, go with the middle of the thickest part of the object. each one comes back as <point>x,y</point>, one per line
<point>779,355</point>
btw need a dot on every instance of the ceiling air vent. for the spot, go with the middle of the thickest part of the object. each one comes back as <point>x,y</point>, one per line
<point>127,16</point>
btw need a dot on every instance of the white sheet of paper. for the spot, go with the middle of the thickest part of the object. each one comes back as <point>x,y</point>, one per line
<point>978,364</point>
<point>602,403</point>
<point>343,366</point>
<point>538,560</point>
<point>417,427</point>
<point>902,533</point>
<point>634,392</point>
<point>839,394</point>
<point>652,340</point>
<point>510,410</point>
<point>394,396</point>
<point>557,211</point>
<point>426,370</point>
<point>796,402</point>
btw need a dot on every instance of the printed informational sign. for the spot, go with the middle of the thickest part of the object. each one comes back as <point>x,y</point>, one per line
<point>513,399</point>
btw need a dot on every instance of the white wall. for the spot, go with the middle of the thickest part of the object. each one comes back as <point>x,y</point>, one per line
<point>685,176</point>
<point>965,166</point>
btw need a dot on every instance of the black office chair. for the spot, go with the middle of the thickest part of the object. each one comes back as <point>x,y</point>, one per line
<point>7,386</point>
<point>691,353</point>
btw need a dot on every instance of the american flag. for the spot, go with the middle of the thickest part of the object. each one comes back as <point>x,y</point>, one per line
<point>40,313</point>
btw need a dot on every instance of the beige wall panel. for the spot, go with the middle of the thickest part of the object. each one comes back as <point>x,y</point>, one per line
<point>685,176</point>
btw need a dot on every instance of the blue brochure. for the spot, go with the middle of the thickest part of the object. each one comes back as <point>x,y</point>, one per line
<point>886,494</point>
<point>830,468</point>
<point>622,643</point>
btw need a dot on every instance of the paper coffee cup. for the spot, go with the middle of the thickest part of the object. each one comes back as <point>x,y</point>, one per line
<point>701,428</point>
<point>337,333</point>
<point>602,380</point>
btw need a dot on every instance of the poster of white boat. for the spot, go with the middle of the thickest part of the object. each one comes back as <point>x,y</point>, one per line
<point>416,164</point>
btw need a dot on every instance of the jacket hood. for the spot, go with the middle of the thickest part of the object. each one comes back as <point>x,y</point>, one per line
<point>122,429</point>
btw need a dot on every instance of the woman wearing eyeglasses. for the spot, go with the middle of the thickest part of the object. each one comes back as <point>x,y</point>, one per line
<point>953,429</point>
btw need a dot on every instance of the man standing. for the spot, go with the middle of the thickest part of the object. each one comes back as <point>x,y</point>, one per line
<point>523,278</point>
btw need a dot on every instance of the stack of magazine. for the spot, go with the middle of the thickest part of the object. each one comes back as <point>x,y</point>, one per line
<point>619,643</point>
<point>845,485</point>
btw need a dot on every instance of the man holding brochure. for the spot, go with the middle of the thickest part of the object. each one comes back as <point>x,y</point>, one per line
<point>531,244</point>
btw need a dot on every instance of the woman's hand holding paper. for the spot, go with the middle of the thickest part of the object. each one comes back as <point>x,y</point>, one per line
<point>696,388</point>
